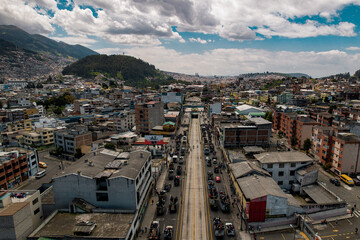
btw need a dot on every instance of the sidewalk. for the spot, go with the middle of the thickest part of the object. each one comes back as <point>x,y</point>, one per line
<point>151,208</point>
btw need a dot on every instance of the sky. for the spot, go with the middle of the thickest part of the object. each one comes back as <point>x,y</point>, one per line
<point>208,37</point>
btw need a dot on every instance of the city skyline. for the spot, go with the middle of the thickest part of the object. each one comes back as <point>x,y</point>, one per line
<point>216,38</point>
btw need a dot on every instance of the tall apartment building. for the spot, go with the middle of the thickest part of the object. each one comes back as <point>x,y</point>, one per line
<point>72,138</point>
<point>338,147</point>
<point>296,128</point>
<point>256,131</point>
<point>20,213</point>
<point>148,115</point>
<point>13,169</point>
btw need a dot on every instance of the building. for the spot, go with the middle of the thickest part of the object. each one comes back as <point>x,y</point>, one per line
<point>20,213</point>
<point>282,166</point>
<point>247,109</point>
<point>256,131</point>
<point>13,168</point>
<point>285,97</point>
<point>296,128</point>
<point>338,147</point>
<point>40,137</point>
<point>72,138</point>
<point>45,122</point>
<point>215,108</point>
<point>125,121</point>
<point>15,115</point>
<point>170,97</point>
<point>148,115</point>
<point>19,125</point>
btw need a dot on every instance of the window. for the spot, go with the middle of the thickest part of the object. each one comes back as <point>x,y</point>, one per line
<point>293,165</point>
<point>36,211</point>
<point>292,173</point>
<point>35,201</point>
<point>102,197</point>
<point>281,165</point>
<point>281,173</point>
<point>270,165</point>
<point>280,183</point>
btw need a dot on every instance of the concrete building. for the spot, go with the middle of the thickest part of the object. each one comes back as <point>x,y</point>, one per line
<point>72,138</point>
<point>45,122</point>
<point>40,137</point>
<point>19,125</point>
<point>148,115</point>
<point>169,97</point>
<point>338,147</point>
<point>247,109</point>
<point>125,121</point>
<point>15,114</point>
<point>20,213</point>
<point>215,108</point>
<point>256,131</point>
<point>282,166</point>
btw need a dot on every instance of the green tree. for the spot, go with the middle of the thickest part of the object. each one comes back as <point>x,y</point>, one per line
<point>78,153</point>
<point>57,110</point>
<point>110,146</point>
<point>307,145</point>
<point>294,141</point>
<point>268,116</point>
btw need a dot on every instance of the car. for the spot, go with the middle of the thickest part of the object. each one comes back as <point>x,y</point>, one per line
<point>42,165</point>
<point>40,174</point>
<point>335,181</point>
<point>356,181</point>
<point>217,179</point>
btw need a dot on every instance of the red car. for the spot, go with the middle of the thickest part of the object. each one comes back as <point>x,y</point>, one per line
<point>217,179</point>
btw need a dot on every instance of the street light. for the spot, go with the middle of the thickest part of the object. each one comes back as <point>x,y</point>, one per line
<point>293,228</point>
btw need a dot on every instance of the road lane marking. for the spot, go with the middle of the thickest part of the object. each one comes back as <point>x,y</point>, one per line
<point>349,221</point>
<point>304,236</point>
<point>331,225</point>
<point>283,236</point>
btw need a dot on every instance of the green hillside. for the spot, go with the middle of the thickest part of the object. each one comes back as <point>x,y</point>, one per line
<point>134,72</point>
<point>42,44</point>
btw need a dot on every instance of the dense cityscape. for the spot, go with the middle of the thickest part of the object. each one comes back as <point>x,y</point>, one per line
<point>108,135</point>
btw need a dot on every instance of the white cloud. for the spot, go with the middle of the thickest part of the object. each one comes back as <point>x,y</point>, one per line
<point>198,40</point>
<point>110,51</point>
<point>353,48</point>
<point>75,40</point>
<point>236,61</point>
<point>16,12</point>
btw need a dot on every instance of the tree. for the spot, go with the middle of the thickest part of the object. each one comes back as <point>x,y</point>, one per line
<point>57,110</point>
<point>307,145</point>
<point>294,141</point>
<point>268,116</point>
<point>78,153</point>
<point>110,146</point>
<point>331,108</point>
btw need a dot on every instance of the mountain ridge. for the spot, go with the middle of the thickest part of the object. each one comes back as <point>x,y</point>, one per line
<point>42,44</point>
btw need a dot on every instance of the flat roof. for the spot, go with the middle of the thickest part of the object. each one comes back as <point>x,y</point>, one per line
<point>319,194</point>
<point>105,157</point>
<point>12,208</point>
<point>108,225</point>
<point>282,157</point>
<point>253,149</point>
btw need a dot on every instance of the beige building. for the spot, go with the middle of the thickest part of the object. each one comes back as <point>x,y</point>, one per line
<point>19,125</point>
<point>20,213</point>
<point>42,136</point>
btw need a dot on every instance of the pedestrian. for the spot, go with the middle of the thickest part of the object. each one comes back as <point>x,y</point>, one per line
<point>145,228</point>
<point>259,228</point>
<point>152,201</point>
<point>142,230</point>
<point>238,215</point>
<point>356,230</point>
<point>354,206</point>
<point>336,221</point>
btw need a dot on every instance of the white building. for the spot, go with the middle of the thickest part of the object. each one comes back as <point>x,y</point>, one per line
<point>283,166</point>
<point>125,121</point>
<point>247,109</point>
<point>45,122</point>
<point>24,102</point>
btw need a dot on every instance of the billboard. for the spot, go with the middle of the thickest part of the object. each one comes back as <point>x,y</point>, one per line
<point>154,139</point>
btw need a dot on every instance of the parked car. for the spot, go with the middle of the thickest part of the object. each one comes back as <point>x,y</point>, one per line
<point>217,179</point>
<point>356,181</point>
<point>335,181</point>
<point>42,165</point>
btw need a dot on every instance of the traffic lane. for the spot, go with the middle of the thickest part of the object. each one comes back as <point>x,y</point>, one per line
<point>345,192</point>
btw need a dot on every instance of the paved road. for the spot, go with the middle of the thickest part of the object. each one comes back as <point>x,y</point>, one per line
<point>194,222</point>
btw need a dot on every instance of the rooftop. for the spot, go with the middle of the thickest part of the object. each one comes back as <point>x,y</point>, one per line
<point>110,164</point>
<point>253,149</point>
<point>241,169</point>
<point>319,194</point>
<point>255,186</point>
<point>348,137</point>
<point>282,157</point>
<point>108,225</point>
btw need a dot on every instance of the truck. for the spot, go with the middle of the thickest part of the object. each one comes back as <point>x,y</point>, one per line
<point>224,202</point>
<point>175,159</point>
<point>178,170</point>
<point>173,204</point>
<point>177,181</point>
<point>168,232</point>
<point>171,174</point>
<point>219,229</point>
<point>160,205</point>
<point>154,231</point>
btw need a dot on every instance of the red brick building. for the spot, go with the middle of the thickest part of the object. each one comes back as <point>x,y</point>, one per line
<point>13,169</point>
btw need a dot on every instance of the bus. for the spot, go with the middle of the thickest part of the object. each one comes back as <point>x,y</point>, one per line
<point>346,179</point>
